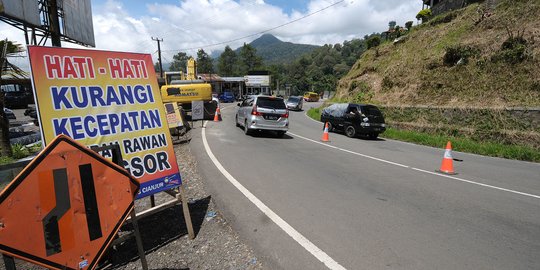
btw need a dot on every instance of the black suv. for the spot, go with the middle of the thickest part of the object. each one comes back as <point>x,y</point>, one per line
<point>354,119</point>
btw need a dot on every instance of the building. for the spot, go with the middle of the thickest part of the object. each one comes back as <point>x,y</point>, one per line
<point>441,6</point>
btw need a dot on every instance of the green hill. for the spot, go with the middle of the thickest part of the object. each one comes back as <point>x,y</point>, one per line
<point>458,59</point>
<point>274,51</point>
<point>470,73</point>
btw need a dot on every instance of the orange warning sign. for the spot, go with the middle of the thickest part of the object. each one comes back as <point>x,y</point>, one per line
<point>63,210</point>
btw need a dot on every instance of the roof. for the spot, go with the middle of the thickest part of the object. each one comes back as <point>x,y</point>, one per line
<point>210,78</point>
<point>233,79</point>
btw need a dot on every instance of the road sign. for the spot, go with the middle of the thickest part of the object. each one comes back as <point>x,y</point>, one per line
<point>197,110</point>
<point>63,210</point>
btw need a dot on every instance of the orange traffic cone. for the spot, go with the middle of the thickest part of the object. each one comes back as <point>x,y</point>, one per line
<point>447,166</point>
<point>217,115</point>
<point>325,134</point>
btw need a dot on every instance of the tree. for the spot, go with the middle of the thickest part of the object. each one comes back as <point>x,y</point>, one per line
<point>227,62</point>
<point>179,62</point>
<point>373,42</point>
<point>156,66</point>
<point>205,64</point>
<point>12,47</point>
<point>409,25</point>
<point>248,59</point>
<point>424,14</point>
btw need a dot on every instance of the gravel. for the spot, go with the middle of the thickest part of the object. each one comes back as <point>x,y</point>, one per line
<point>164,234</point>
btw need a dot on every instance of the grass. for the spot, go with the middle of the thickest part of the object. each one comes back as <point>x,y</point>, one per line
<point>491,149</point>
<point>314,113</point>
<point>20,151</point>
<point>6,160</point>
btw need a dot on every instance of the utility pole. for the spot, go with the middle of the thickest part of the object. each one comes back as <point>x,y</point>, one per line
<point>159,54</point>
<point>54,23</point>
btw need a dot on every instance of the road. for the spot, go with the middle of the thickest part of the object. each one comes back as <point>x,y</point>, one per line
<point>368,204</point>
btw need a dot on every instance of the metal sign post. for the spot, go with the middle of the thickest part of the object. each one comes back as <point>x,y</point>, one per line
<point>117,159</point>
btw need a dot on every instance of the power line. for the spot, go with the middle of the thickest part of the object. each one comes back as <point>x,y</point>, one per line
<point>261,32</point>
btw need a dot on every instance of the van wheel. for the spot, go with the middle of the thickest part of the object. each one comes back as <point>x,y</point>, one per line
<point>350,131</point>
<point>247,131</point>
<point>236,121</point>
<point>373,136</point>
<point>280,133</point>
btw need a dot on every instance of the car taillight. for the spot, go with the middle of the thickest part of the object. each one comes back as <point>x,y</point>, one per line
<point>286,115</point>
<point>255,112</point>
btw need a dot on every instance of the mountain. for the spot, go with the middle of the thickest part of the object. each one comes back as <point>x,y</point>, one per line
<point>274,51</point>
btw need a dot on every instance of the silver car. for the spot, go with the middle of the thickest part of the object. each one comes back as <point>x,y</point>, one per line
<point>295,103</point>
<point>263,113</point>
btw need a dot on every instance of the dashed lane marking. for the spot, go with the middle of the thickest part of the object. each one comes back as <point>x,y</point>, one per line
<point>417,169</point>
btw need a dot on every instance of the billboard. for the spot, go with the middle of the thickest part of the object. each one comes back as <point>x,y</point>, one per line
<point>100,98</point>
<point>78,21</point>
<point>21,10</point>
<point>257,80</point>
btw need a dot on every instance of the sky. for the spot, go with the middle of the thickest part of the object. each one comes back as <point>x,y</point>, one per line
<point>188,25</point>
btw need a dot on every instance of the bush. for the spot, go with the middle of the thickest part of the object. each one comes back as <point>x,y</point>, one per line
<point>424,14</point>
<point>455,54</point>
<point>409,25</point>
<point>373,42</point>
<point>513,51</point>
<point>387,83</point>
<point>19,151</point>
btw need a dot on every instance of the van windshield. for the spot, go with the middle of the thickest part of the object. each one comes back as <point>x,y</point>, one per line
<point>271,103</point>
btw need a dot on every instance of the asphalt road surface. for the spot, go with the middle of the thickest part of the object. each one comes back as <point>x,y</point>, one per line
<point>368,204</point>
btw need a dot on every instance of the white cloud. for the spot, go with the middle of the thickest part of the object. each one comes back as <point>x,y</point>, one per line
<point>192,24</point>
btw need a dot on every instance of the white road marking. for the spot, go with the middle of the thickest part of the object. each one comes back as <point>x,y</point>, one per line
<point>294,234</point>
<point>416,169</point>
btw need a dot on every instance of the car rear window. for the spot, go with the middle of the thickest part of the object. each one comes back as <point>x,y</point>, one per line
<point>370,110</point>
<point>271,103</point>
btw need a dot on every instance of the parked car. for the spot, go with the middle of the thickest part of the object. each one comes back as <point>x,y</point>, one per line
<point>227,97</point>
<point>31,111</point>
<point>263,113</point>
<point>354,119</point>
<point>295,103</point>
<point>9,114</point>
<point>14,96</point>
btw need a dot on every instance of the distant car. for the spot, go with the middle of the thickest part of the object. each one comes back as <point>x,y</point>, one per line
<point>14,96</point>
<point>9,114</point>
<point>31,112</point>
<point>295,103</point>
<point>311,97</point>
<point>227,97</point>
<point>354,119</point>
<point>263,113</point>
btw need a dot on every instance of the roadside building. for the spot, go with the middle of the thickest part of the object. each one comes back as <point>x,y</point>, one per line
<point>236,85</point>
